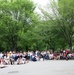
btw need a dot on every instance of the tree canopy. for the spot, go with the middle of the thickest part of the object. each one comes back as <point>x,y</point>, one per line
<point>62,22</point>
<point>23,29</point>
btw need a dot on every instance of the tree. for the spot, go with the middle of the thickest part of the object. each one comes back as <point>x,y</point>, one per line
<point>15,20</point>
<point>62,20</point>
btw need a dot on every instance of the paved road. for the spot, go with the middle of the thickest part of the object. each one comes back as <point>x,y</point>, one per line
<point>51,67</point>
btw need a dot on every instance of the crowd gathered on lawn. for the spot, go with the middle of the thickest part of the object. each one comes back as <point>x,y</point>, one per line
<point>12,57</point>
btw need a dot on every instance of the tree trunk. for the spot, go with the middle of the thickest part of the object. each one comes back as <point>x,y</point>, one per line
<point>70,43</point>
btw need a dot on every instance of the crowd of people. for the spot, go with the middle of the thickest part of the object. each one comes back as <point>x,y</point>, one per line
<point>13,57</point>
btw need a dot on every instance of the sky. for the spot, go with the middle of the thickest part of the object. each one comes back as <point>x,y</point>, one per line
<point>43,4</point>
<point>40,3</point>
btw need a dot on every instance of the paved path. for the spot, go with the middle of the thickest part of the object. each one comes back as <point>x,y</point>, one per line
<point>51,67</point>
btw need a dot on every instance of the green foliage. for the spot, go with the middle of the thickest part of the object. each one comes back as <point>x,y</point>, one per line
<point>61,21</point>
<point>22,29</point>
<point>15,19</point>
